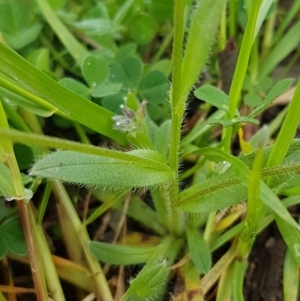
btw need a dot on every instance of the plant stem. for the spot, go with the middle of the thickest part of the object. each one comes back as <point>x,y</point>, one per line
<point>35,263</point>
<point>177,50</point>
<point>103,290</point>
<point>240,71</point>
<point>28,227</point>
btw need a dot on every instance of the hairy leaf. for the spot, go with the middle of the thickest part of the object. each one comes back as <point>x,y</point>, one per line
<point>226,189</point>
<point>266,194</point>
<point>139,168</point>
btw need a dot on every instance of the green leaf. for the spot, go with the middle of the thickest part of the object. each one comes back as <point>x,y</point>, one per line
<point>287,131</point>
<point>121,255</point>
<point>291,236</point>
<point>15,99</point>
<point>290,278</point>
<point>4,248</point>
<point>279,88</point>
<point>214,96</point>
<point>6,182</point>
<point>76,87</point>
<point>282,49</point>
<point>162,138</point>
<point>163,66</point>
<point>252,99</point>
<point>154,87</point>
<point>142,29</point>
<point>125,52</point>
<point>77,51</point>
<point>266,194</point>
<point>114,101</point>
<point>95,71</point>
<point>138,168</point>
<point>11,231</point>
<point>161,10</point>
<point>226,123</point>
<point>254,207</point>
<point>199,250</point>
<point>16,23</point>
<point>40,58</point>
<point>226,190</point>
<point>106,90</point>
<point>204,24</point>
<point>149,281</point>
<point>129,73</point>
<point>20,77</point>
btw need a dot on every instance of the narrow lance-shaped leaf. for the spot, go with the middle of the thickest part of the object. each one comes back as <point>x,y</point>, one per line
<point>22,78</point>
<point>141,168</point>
<point>266,194</point>
<point>214,96</point>
<point>290,235</point>
<point>121,255</point>
<point>279,88</point>
<point>226,189</point>
<point>148,282</point>
<point>199,250</point>
<point>202,32</point>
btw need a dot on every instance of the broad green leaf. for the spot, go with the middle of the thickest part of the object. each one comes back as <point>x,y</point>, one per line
<point>29,82</point>
<point>214,96</point>
<point>163,66</point>
<point>121,255</point>
<point>125,52</point>
<point>129,72</point>
<point>252,99</point>
<point>266,194</point>
<point>226,190</point>
<point>154,87</point>
<point>95,71</point>
<point>279,88</point>
<point>237,120</point>
<point>204,24</point>
<point>112,102</point>
<point>142,29</point>
<point>25,37</point>
<point>11,231</point>
<point>263,85</point>
<point>141,168</point>
<point>106,89</point>
<point>76,87</point>
<point>199,250</point>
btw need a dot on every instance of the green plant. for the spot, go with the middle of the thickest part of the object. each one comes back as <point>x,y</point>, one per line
<point>184,220</point>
